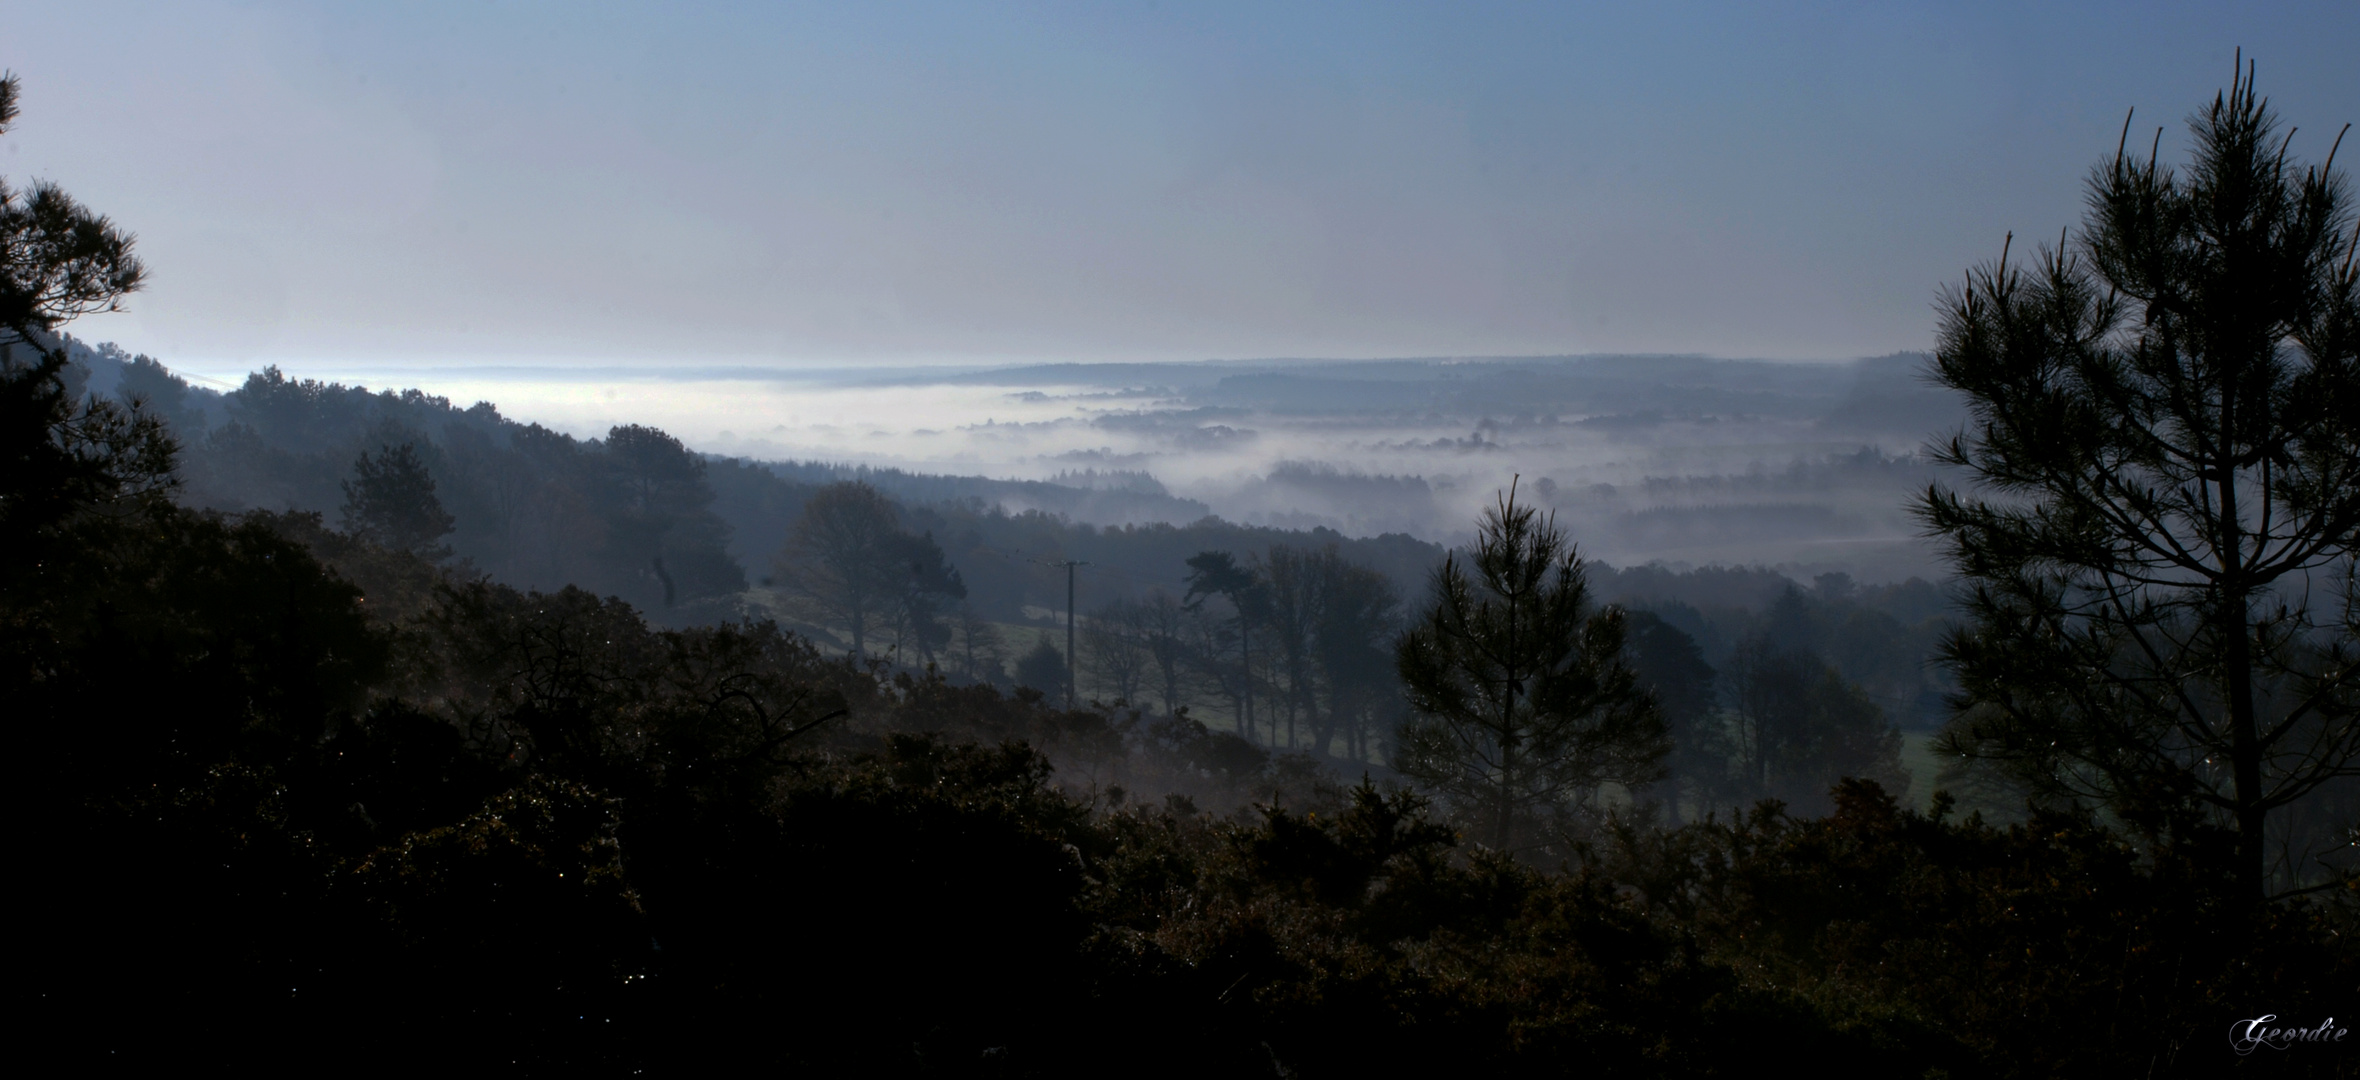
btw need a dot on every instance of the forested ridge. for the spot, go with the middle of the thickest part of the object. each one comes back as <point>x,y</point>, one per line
<point>470,744</point>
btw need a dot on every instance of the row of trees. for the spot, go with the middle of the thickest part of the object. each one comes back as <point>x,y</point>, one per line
<point>1777,720</point>
<point>1296,648</point>
<point>537,508</point>
<point>1303,632</point>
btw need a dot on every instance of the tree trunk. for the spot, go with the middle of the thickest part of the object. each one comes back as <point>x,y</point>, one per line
<point>1507,807</point>
<point>2245,750</point>
<point>1245,662</point>
<point>1505,812</point>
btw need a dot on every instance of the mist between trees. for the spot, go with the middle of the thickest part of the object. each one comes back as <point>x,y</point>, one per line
<point>945,576</point>
<point>1773,687</point>
<point>359,720</point>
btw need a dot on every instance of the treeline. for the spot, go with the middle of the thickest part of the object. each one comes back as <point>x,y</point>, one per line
<point>1772,690</point>
<point>1304,631</point>
<point>1115,497</point>
<point>540,509</point>
<point>682,536</point>
<point>630,515</point>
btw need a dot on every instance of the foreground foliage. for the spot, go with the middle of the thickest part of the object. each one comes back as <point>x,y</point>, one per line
<point>459,823</point>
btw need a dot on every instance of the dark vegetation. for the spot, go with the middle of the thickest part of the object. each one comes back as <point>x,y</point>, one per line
<point>299,794</point>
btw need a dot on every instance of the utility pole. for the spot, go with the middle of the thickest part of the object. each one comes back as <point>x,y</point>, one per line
<point>1069,566</point>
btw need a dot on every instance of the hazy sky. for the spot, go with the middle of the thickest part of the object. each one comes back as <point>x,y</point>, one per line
<point>915,182</point>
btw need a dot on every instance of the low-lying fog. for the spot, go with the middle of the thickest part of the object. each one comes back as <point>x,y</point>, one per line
<point>1647,459</point>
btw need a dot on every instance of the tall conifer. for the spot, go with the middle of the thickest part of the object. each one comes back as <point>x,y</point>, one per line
<point>2164,462</point>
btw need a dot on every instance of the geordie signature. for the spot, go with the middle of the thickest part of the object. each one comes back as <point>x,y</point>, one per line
<point>2246,1036</point>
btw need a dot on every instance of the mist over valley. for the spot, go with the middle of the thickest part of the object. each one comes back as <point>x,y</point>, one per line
<point>1680,460</point>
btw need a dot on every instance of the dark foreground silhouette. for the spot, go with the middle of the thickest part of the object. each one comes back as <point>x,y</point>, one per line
<point>293,799</point>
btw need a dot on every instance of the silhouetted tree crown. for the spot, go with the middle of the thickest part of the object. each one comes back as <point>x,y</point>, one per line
<point>59,261</point>
<point>1798,727</point>
<point>840,555</point>
<point>849,554</point>
<point>1672,669</point>
<point>1218,573</point>
<point>1042,668</point>
<point>2165,458</point>
<point>390,501</point>
<point>1524,701</point>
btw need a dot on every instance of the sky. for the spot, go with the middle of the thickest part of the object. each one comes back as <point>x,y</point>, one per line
<point>389,186</point>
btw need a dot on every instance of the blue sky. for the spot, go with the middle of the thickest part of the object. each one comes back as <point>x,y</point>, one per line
<point>438,184</point>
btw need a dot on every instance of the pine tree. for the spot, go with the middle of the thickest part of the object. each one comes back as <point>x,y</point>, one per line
<point>2164,448</point>
<point>390,501</point>
<point>58,261</point>
<point>60,453</point>
<point>1524,701</point>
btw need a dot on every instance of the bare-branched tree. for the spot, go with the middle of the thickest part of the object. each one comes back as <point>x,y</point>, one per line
<point>1112,650</point>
